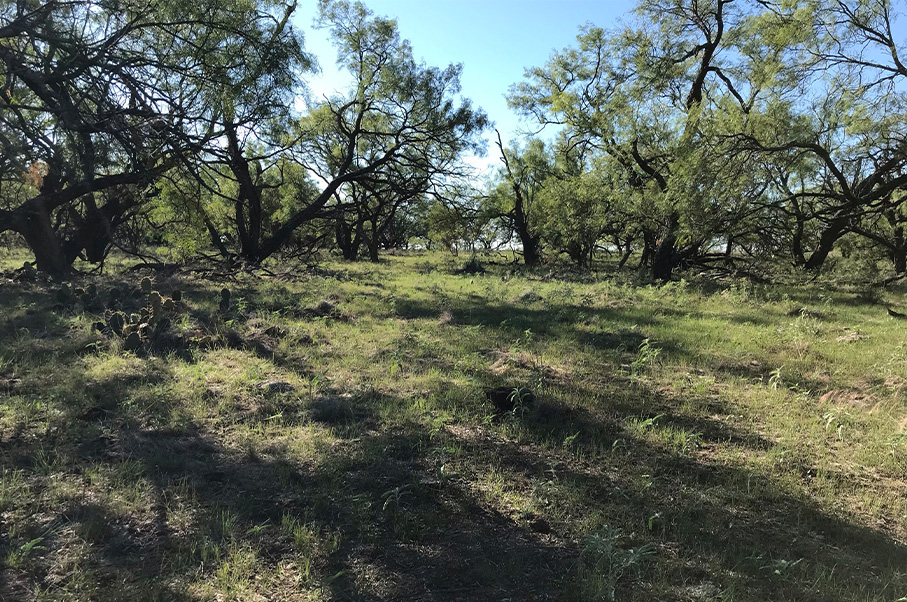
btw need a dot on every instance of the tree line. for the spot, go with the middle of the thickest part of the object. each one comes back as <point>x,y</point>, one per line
<point>731,135</point>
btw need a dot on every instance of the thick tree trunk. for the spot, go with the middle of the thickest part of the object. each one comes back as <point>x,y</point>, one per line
<point>248,200</point>
<point>665,257</point>
<point>348,240</point>
<point>95,232</point>
<point>35,226</point>
<point>530,243</point>
<point>827,240</point>
<point>530,250</point>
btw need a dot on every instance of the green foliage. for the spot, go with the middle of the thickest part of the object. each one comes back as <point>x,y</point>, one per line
<point>603,564</point>
<point>646,356</point>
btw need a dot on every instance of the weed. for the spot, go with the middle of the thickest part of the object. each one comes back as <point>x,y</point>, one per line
<point>393,499</point>
<point>646,355</point>
<point>17,557</point>
<point>639,426</point>
<point>523,400</point>
<point>837,421</point>
<point>775,378</point>
<point>603,564</point>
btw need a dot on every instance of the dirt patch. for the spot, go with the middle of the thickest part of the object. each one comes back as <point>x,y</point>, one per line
<point>854,398</point>
<point>517,363</point>
<point>447,319</point>
<point>850,337</point>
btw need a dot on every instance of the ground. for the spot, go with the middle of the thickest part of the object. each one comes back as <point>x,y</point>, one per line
<point>326,435</point>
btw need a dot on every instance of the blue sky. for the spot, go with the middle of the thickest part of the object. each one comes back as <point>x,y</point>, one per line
<point>494,39</point>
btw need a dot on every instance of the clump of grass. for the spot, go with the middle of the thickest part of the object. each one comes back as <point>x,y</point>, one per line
<point>604,564</point>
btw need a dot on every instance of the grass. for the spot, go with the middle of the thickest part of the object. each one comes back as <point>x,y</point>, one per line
<point>327,438</point>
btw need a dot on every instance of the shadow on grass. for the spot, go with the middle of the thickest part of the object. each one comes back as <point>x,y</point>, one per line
<point>406,531</point>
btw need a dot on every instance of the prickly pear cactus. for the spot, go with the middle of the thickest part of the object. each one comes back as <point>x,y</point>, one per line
<point>156,301</point>
<point>116,321</point>
<point>177,295</point>
<point>133,341</point>
<point>64,295</point>
<point>146,285</point>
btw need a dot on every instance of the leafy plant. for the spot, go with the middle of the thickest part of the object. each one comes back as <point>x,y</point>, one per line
<point>603,563</point>
<point>393,498</point>
<point>774,378</point>
<point>19,556</point>
<point>522,399</point>
<point>646,355</point>
<point>836,421</point>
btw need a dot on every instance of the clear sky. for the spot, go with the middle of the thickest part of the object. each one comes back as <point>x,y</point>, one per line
<point>493,39</point>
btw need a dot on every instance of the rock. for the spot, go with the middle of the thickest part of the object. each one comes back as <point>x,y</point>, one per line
<point>540,525</point>
<point>505,399</point>
<point>277,386</point>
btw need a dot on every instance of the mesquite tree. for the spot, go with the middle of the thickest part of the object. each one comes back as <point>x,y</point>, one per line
<point>99,99</point>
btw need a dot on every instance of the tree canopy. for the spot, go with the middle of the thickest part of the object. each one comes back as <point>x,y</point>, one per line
<point>731,135</point>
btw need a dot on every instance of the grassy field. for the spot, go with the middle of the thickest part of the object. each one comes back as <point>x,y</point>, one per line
<point>325,435</point>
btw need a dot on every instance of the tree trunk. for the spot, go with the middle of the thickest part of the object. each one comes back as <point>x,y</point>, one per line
<point>374,243</point>
<point>797,240</point>
<point>530,251</point>
<point>899,251</point>
<point>35,226</point>
<point>95,233</point>
<point>626,256</point>
<point>248,199</point>
<point>648,248</point>
<point>529,242</point>
<point>664,258</point>
<point>347,242</point>
<point>827,240</point>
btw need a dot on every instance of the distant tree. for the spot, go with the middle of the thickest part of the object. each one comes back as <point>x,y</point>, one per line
<point>513,198</point>
<point>764,127</point>
<point>639,95</point>
<point>399,117</point>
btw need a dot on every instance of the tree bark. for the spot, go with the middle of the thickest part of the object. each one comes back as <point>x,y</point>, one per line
<point>248,199</point>
<point>835,230</point>
<point>665,257</point>
<point>35,226</point>
<point>626,256</point>
<point>899,251</point>
<point>529,242</point>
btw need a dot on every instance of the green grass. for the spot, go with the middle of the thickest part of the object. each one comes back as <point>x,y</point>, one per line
<point>691,441</point>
